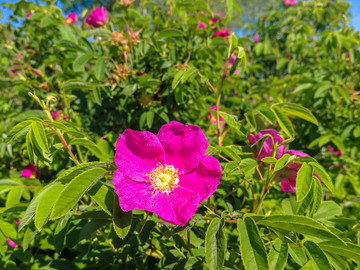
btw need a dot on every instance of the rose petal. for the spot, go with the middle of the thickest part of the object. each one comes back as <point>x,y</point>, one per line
<point>289,184</point>
<point>204,179</point>
<point>184,145</point>
<point>176,208</point>
<point>137,153</point>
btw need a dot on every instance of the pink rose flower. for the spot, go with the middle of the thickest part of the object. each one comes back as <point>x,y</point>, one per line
<point>30,171</point>
<point>331,149</point>
<point>71,18</point>
<point>202,25</point>
<point>168,174</point>
<point>339,152</point>
<point>97,18</point>
<point>54,115</point>
<point>267,148</point>
<point>256,38</point>
<point>11,243</point>
<point>213,119</point>
<point>288,184</point>
<point>290,2</point>
<point>222,33</point>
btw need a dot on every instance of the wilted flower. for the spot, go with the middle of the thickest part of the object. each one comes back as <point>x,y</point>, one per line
<point>288,184</point>
<point>213,119</point>
<point>134,36</point>
<point>97,18</point>
<point>11,243</point>
<point>268,145</point>
<point>71,18</point>
<point>256,38</point>
<point>117,38</point>
<point>168,174</point>
<point>30,171</point>
<point>222,33</point>
<point>126,2</point>
<point>37,71</point>
<point>290,2</point>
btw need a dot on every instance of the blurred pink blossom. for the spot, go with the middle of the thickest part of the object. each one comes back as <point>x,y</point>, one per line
<point>97,18</point>
<point>11,243</point>
<point>290,2</point>
<point>71,18</point>
<point>202,25</point>
<point>268,145</point>
<point>28,15</point>
<point>30,171</point>
<point>213,119</point>
<point>222,33</point>
<point>256,38</point>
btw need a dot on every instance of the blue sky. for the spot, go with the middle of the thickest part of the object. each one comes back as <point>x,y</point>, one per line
<point>355,10</point>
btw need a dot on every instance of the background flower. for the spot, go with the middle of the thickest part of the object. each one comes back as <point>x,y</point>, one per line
<point>267,148</point>
<point>30,171</point>
<point>97,18</point>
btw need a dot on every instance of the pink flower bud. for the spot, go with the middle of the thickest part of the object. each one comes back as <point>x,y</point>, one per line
<point>256,38</point>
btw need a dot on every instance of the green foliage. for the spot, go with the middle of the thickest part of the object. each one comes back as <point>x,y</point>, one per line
<point>76,88</point>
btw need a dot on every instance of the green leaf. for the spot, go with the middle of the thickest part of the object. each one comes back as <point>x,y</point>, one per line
<point>328,209</point>
<point>348,250</point>
<point>100,32</point>
<point>19,130</point>
<point>232,123</point>
<point>7,229</point>
<point>298,255</point>
<point>284,121</point>
<point>248,164</point>
<point>100,68</point>
<point>39,135</point>
<point>268,114</point>
<point>229,5</point>
<point>71,173</point>
<point>69,45</point>
<point>73,191</point>
<point>269,160</point>
<point>30,211</point>
<point>121,220</point>
<point>14,196</point>
<point>177,78</point>
<point>188,73</point>
<point>215,245</point>
<point>88,144</point>
<point>74,84</point>
<point>278,255</point>
<point>317,256</point>
<point>104,197</point>
<point>150,118</point>
<point>282,162</point>
<point>298,224</point>
<point>170,33</point>
<point>252,248</point>
<point>250,119</point>
<point>45,205</point>
<point>325,178</point>
<point>318,193</point>
<point>80,61</point>
<point>303,181</point>
<point>299,111</point>
<point>60,232</point>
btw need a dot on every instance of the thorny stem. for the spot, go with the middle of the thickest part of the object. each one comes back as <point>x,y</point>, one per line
<point>208,82</point>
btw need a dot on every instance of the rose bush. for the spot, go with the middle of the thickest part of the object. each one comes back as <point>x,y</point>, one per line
<point>220,186</point>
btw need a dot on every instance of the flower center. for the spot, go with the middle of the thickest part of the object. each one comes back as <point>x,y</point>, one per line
<point>163,178</point>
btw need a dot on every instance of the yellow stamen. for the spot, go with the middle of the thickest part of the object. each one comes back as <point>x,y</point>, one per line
<point>163,178</point>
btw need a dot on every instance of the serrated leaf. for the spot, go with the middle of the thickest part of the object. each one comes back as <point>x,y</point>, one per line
<point>231,122</point>
<point>45,205</point>
<point>39,135</point>
<point>328,209</point>
<point>20,129</point>
<point>252,248</point>
<point>30,211</point>
<point>298,224</point>
<point>303,181</point>
<point>69,45</point>
<point>248,164</point>
<point>100,68</point>
<point>215,245</point>
<point>317,256</point>
<point>348,250</point>
<point>121,220</point>
<point>74,84</point>
<point>323,175</point>
<point>74,191</point>
<point>283,121</point>
<point>278,255</point>
<point>104,197</point>
<point>298,111</point>
<point>71,173</point>
<point>80,61</point>
<point>14,196</point>
<point>170,33</point>
<point>281,163</point>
